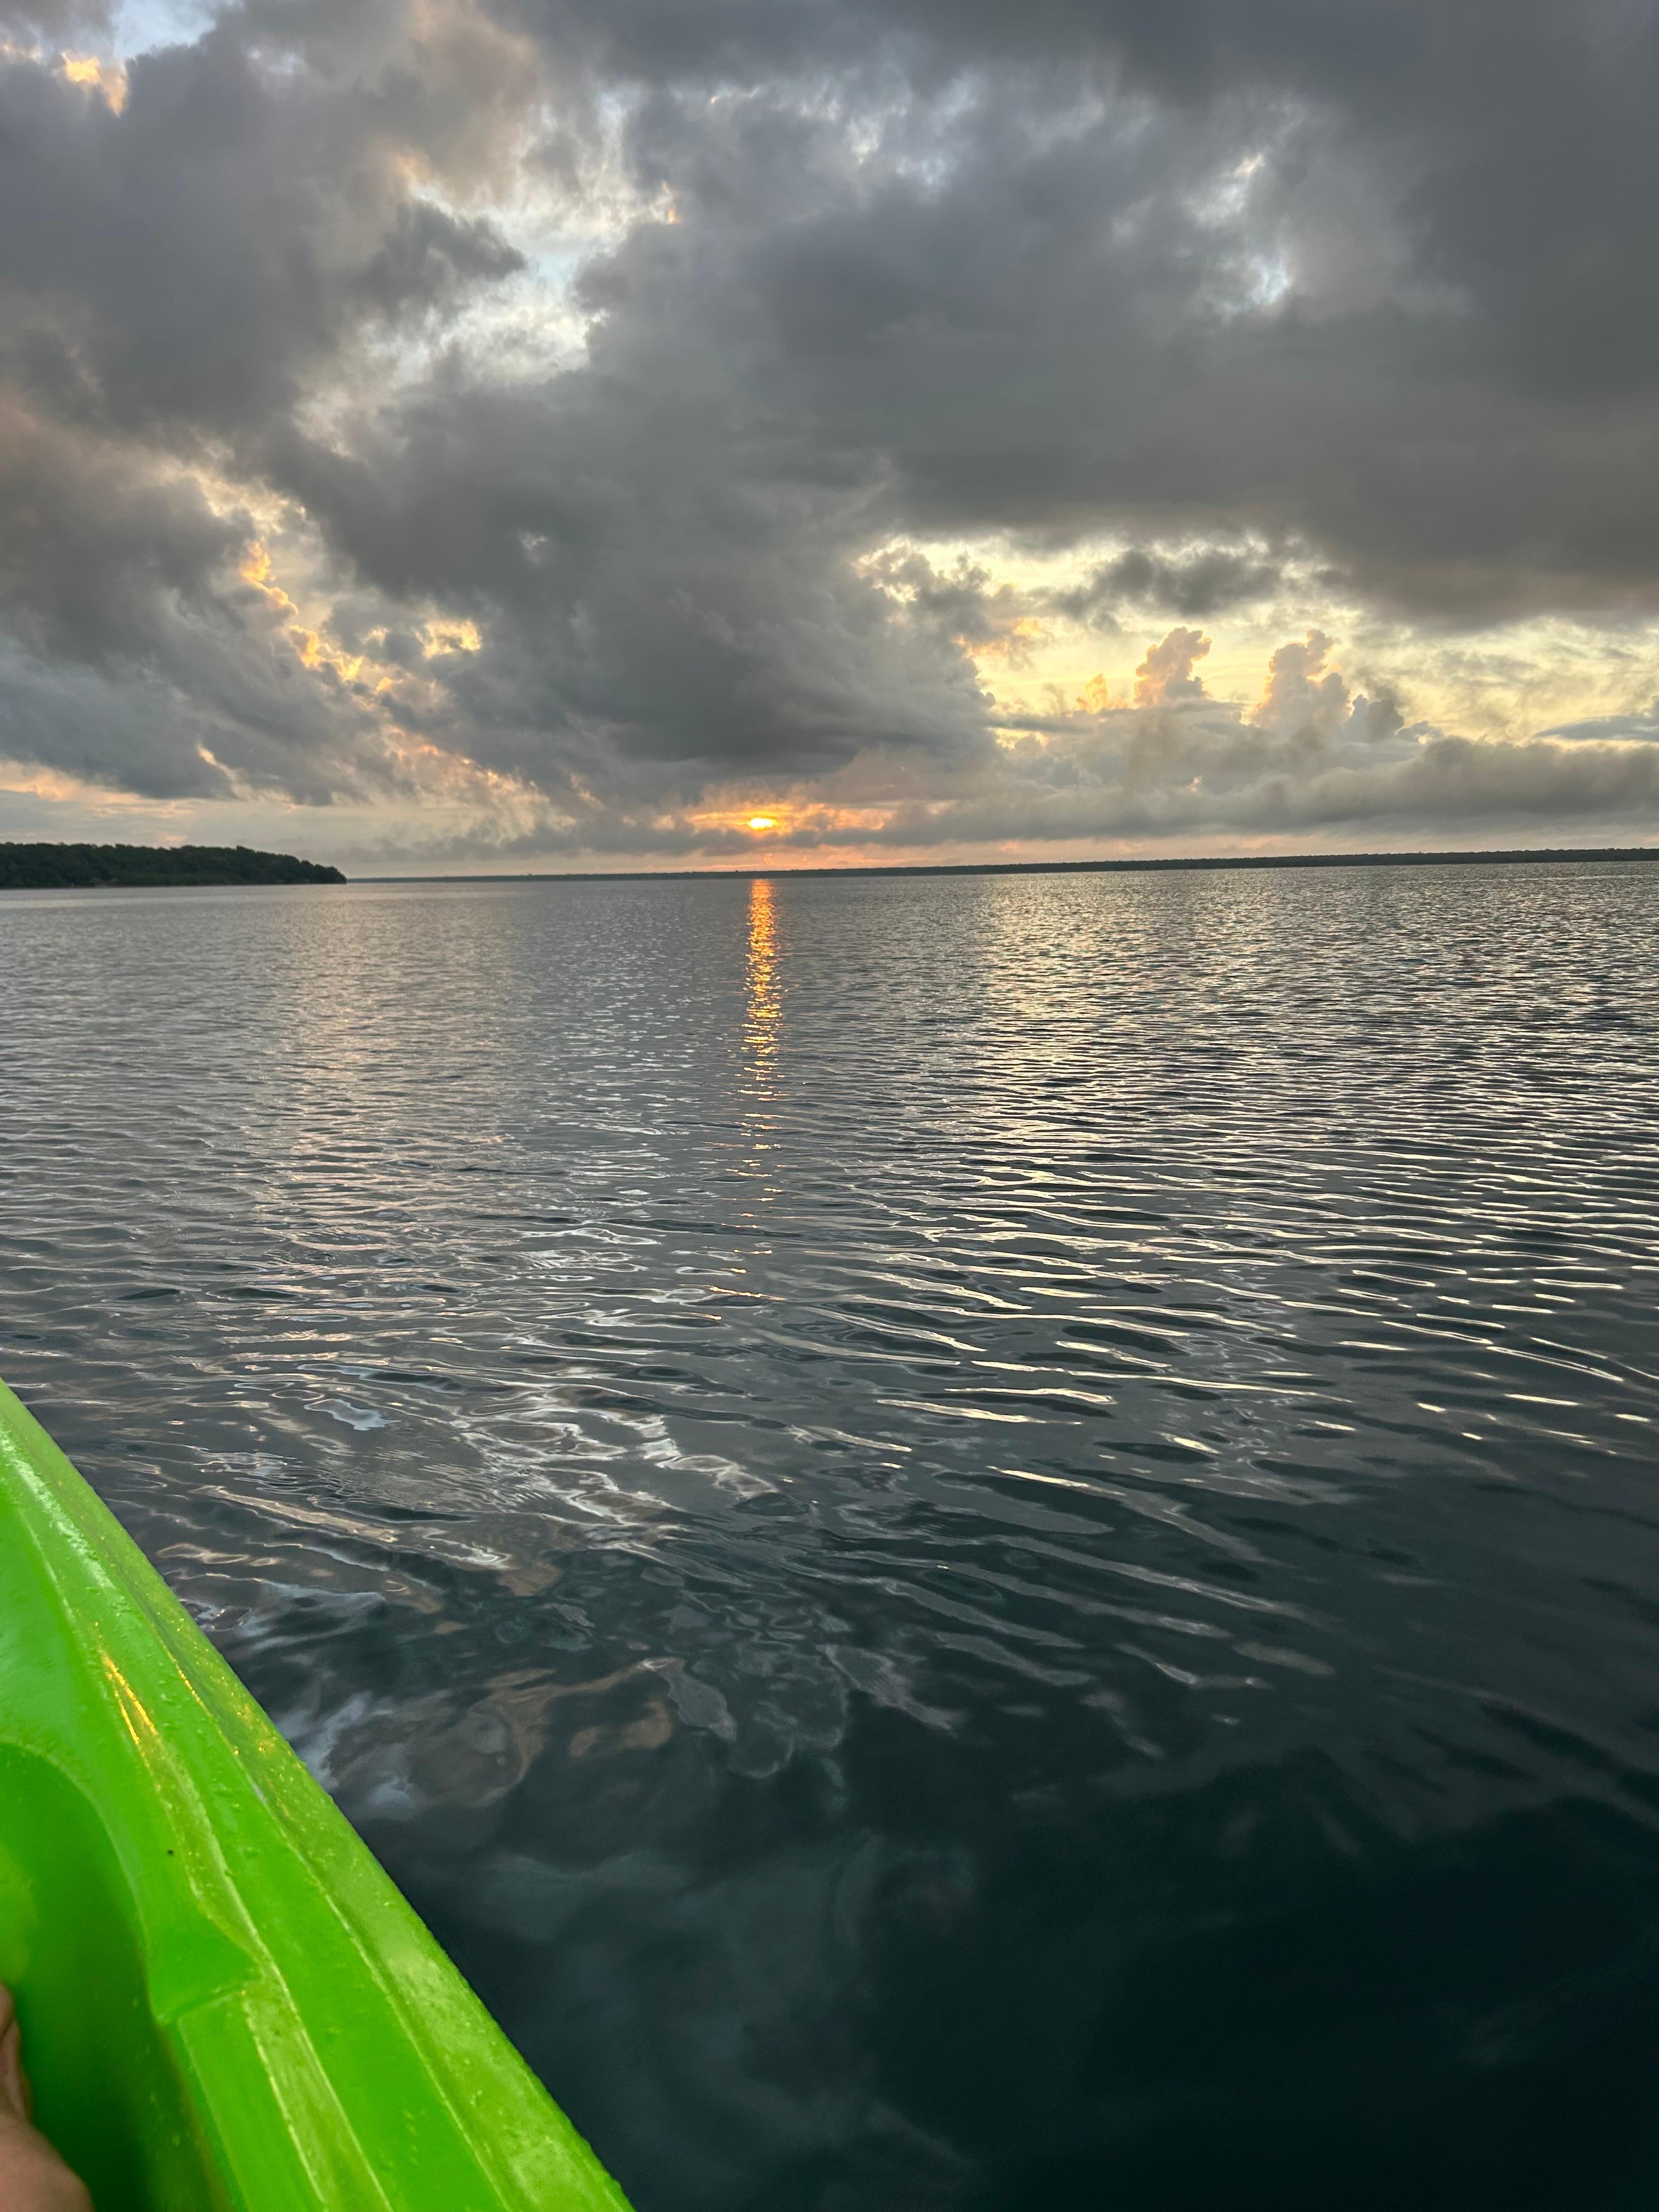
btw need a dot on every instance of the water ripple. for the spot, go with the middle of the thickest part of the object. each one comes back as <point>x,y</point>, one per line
<point>869,1490</point>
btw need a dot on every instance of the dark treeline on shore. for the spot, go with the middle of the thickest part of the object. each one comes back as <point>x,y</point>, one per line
<point>98,867</point>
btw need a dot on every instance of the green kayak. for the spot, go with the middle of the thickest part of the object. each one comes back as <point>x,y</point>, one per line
<point>224,2000</point>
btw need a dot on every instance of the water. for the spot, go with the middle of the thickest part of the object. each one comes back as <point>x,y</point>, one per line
<point>977,1543</point>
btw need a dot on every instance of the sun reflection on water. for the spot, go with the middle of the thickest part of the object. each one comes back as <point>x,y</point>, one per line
<point>762,1026</point>
<point>763,1014</point>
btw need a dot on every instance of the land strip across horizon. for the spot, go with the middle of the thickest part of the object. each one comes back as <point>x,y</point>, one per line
<point>197,868</point>
<point>1160,864</point>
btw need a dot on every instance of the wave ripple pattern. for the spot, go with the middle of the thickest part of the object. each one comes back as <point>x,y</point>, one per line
<point>975,1542</point>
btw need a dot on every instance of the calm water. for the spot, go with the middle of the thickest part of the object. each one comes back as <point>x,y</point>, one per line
<point>979,1544</point>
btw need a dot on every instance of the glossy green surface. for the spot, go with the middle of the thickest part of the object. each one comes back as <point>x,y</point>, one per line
<point>224,2000</point>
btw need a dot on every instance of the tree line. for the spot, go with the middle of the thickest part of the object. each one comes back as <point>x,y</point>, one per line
<point>67,868</point>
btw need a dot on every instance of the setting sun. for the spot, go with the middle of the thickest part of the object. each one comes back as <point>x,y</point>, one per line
<point>762,822</point>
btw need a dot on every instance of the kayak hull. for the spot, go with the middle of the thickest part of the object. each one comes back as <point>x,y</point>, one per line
<point>225,2003</point>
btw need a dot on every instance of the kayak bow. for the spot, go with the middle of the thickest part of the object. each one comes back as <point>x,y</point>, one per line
<point>225,2001</point>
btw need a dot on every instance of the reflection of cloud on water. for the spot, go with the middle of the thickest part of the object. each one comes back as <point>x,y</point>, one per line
<point>402,1761</point>
<point>730,2002</point>
<point>559,1820</point>
<point>311,1526</point>
<point>542,1451</point>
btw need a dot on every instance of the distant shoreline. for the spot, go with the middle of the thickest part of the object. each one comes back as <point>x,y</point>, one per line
<point>1205,863</point>
<point>42,867</point>
<point>188,867</point>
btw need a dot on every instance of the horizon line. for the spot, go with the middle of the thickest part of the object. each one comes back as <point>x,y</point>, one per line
<point>1499,856</point>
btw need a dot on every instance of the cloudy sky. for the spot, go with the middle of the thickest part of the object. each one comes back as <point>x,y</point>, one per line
<point>513,434</point>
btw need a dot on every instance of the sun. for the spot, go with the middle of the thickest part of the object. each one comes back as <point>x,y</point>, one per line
<point>762,822</point>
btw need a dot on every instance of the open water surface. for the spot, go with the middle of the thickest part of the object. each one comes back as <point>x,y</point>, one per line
<point>979,1544</point>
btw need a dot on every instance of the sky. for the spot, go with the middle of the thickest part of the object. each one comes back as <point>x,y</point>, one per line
<point>495,435</point>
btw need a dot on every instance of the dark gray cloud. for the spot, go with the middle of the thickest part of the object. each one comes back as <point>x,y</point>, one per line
<point>1606,729</point>
<point>1514,143</point>
<point>193,266</point>
<point>1258,289</point>
<point>23,20</point>
<point>1200,582</point>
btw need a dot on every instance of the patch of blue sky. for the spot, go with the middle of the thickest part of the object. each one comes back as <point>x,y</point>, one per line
<point>141,27</point>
